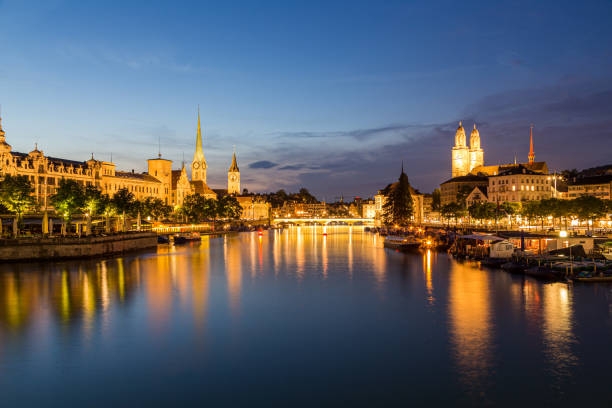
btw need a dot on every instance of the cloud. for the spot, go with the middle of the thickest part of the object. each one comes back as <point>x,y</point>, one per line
<point>263,164</point>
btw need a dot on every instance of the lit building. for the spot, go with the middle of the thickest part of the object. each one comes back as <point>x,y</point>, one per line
<point>458,188</point>
<point>464,158</point>
<point>160,181</point>
<point>596,186</point>
<point>519,184</point>
<point>368,209</point>
<point>254,208</point>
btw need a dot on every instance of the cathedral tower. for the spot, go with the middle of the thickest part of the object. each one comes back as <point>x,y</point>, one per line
<point>460,154</point>
<point>233,177</point>
<point>198,165</point>
<point>476,153</point>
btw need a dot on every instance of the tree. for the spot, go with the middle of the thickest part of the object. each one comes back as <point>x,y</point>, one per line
<point>94,200</point>
<point>509,209</point>
<point>452,210</point>
<point>398,207</point>
<point>197,208</point>
<point>529,210</point>
<point>123,200</point>
<point>155,208</point>
<point>436,200</point>
<point>589,208</point>
<point>462,194</point>
<point>68,200</point>
<point>482,210</point>
<point>229,207</point>
<point>16,195</point>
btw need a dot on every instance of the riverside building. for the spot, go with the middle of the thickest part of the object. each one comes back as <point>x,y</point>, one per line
<point>160,181</point>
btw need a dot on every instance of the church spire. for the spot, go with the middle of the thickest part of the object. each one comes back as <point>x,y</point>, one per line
<point>531,154</point>
<point>2,134</point>
<point>234,165</point>
<point>199,152</point>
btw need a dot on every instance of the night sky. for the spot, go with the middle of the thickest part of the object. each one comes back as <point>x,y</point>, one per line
<point>331,96</point>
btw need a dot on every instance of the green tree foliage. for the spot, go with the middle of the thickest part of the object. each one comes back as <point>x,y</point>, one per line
<point>94,200</point>
<point>462,193</point>
<point>482,210</point>
<point>69,199</point>
<point>398,207</point>
<point>589,208</point>
<point>16,195</point>
<point>123,201</point>
<point>197,208</point>
<point>155,208</point>
<point>509,210</point>
<point>228,207</point>
<point>436,200</point>
<point>452,211</point>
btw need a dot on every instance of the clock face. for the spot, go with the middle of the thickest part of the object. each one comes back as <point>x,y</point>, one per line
<point>196,165</point>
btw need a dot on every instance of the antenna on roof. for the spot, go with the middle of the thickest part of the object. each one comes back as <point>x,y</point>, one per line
<point>111,157</point>
<point>159,146</point>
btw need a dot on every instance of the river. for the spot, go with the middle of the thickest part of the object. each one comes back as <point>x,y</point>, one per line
<point>298,318</point>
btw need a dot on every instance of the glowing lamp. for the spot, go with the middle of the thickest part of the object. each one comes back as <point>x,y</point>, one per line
<point>563,234</point>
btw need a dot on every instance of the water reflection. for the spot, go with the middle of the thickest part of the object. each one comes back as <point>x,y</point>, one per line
<point>470,325</point>
<point>462,321</point>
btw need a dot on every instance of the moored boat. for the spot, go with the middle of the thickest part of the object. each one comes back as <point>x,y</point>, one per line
<point>406,243</point>
<point>545,273</point>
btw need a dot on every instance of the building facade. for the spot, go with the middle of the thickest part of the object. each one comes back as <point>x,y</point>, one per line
<point>160,181</point>
<point>519,184</point>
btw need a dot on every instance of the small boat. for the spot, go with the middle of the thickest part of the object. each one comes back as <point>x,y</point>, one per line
<point>545,273</point>
<point>593,279</point>
<point>513,267</point>
<point>178,240</point>
<point>401,243</point>
<point>493,262</point>
<point>163,239</point>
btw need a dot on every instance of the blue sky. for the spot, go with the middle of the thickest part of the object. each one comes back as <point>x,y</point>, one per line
<point>327,95</point>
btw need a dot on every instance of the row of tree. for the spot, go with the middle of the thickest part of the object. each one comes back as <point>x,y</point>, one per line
<point>585,208</point>
<point>72,198</point>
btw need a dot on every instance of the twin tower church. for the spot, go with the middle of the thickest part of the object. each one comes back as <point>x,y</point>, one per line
<point>465,159</point>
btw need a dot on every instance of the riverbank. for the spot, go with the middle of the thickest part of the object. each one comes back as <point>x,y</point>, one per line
<point>39,249</point>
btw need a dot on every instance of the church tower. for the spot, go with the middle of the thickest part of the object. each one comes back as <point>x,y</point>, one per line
<point>233,177</point>
<point>476,153</point>
<point>531,154</point>
<point>198,165</point>
<point>460,154</point>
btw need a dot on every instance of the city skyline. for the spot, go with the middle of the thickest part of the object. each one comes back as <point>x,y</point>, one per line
<point>309,97</point>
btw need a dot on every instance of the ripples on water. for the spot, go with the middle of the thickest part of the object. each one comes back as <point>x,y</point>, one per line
<point>297,318</point>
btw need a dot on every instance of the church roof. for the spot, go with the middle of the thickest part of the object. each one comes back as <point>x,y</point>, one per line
<point>470,178</point>
<point>516,169</point>
<point>137,176</point>
<point>201,188</point>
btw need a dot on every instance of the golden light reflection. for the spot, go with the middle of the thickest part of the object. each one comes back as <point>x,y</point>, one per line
<point>233,269</point>
<point>557,327</point>
<point>470,323</point>
<point>428,280</point>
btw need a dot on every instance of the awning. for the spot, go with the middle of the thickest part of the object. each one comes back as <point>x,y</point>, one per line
<point>482,237</point>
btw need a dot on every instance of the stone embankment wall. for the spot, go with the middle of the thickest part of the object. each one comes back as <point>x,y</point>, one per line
<point>35,249</point>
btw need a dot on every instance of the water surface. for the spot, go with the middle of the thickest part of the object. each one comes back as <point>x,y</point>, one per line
<point>298,318</point>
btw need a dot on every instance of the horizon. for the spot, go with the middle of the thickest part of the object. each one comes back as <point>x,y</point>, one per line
<point>319,96</point>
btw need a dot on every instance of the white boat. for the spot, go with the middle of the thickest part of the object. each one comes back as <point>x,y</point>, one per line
<point>401,242</point>
<point>606,250</point>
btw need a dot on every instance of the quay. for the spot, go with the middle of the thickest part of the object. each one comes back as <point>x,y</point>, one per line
<point>56,248</point>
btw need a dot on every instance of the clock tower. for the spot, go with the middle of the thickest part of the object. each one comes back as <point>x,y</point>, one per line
<point>233,178</point>
<point>198,165</point>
